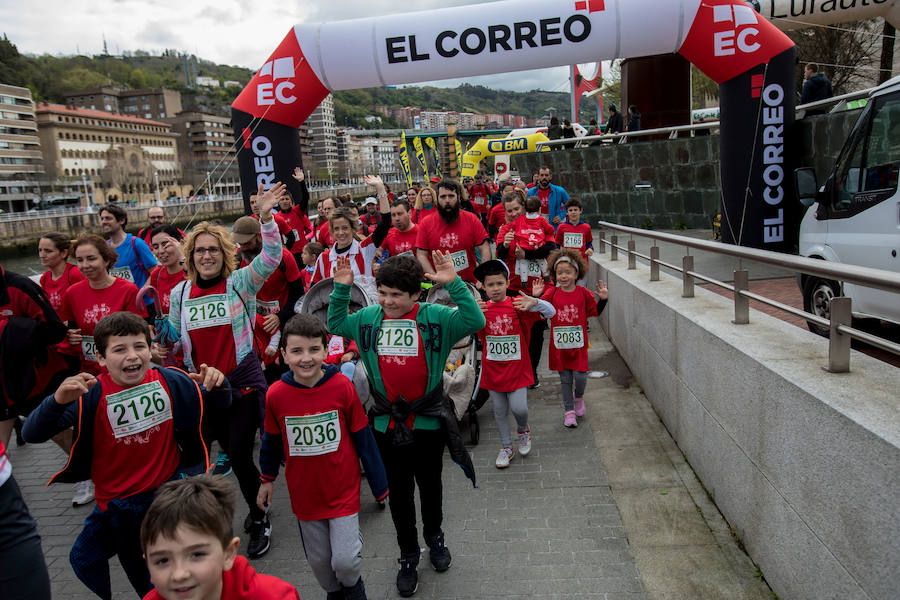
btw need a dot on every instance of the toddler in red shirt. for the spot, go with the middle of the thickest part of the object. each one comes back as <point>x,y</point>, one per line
<point>531,232</point>
<point>315,421</point>
<point>568,327</point>
<point>506,366</point>
<point>191,550</point>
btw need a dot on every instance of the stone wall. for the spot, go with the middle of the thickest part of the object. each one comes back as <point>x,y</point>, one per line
<point>802,464</point>
<point>683,174</point>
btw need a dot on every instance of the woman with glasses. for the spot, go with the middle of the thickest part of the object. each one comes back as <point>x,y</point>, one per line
<point>214,312</point>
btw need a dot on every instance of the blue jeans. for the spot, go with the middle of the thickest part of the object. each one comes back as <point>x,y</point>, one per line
<point>115,531</point>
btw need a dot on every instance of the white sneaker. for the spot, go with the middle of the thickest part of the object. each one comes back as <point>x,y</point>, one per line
<point>506,454</point>
<point>525,442</point>
<point>84,493</point>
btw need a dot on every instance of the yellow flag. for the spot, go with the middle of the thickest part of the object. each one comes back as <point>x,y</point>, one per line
<point>420,156</point>
<point>437,160</point>
<point>404,159</point>
<point>459,155</point>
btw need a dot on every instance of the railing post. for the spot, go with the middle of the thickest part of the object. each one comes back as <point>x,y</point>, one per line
<point>839,343</point>
<point>613,248</point>
<point>687,264</point>
<point>654,263</point>
<point>741,304</point>
<point>601,241</point>
<point>632,264</point>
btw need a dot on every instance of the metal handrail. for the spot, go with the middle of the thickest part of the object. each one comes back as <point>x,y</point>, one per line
<point>840,323</point>
<point>672,131</point>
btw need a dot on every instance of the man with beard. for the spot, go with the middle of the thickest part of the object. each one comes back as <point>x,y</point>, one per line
<point>401,239</point>
<point>323,233</point>
<point>275,300</point>
<point>455,232</point>
<point>292,217</point>
<point>553,197</point>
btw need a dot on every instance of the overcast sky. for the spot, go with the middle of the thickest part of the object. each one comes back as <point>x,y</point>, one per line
<point>235,32</point>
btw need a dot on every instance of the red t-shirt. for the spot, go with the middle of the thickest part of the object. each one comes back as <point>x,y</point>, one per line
<point>55,290</point>
<point>420,214</point>
<point>497,217</point>
<point>299,224</point>
<point>399,242</point>
<point>544,195</point>
<point>134,438</point>
<point>209,326</point>
<point>321,463</point>
<point>458,238</point>
<point>86,306</point>
<point>271,298</point>
<point>515,282</point>
<point>574,236</point>
<point>506,364</point>
<point>163,281</point>
<point>478,195</point>
<point>339,346</point>
<point>323,235</point>
<point>306,275</point>
<point>532,234</point>
<point>401,353</point>
<point>242,582</point>
<point>568,328</point>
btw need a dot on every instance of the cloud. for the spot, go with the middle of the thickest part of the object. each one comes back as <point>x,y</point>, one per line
<point>234,32</point>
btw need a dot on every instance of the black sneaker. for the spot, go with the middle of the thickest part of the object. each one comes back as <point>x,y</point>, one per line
<point>438,553</point>
<point>222,465</point>
<point>407,576</point>
<point>20,441</point>
<point>260,532</point>
<point>535,385</point>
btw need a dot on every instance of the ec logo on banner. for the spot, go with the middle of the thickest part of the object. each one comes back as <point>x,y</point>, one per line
<point>268,93</point>
<point>743,35</point>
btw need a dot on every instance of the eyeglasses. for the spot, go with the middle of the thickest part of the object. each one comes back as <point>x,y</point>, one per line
<point>211,251</point>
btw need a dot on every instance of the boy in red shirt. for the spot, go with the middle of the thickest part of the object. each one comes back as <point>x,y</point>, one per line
<point>191,550</point>
<point>506,366</point>
<point>121,417</point>
<point>573,232</point>
<point>315,421</point>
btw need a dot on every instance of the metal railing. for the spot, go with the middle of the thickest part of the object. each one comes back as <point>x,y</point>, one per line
<point>839,325</point>
<point>621,138</point>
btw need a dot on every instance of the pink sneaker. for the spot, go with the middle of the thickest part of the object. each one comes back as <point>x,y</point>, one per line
<point>579,407</point>
<point>571,421</point>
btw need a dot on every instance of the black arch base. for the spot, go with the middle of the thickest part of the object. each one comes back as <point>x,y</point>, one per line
<point>267,153</point>
<point>757,147</point>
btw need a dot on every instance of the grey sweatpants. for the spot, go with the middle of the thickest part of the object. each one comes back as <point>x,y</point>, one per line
<point>333,549</point>
<point>504,402</point>
<point>566,378</point>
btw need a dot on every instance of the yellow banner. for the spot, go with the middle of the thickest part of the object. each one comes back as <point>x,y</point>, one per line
<point>404,159</point>
<point>490,146</point>
<point>437,159</point>
<point>459,155</point>
<point>420,156</point>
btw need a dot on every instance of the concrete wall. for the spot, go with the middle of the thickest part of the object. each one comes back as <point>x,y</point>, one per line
<point>804,465</point>
<point>683,173</point>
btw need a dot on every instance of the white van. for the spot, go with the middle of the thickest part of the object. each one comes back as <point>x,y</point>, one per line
<point>855,217</point>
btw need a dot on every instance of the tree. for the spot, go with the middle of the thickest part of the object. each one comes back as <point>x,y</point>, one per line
<point>80,78</point>
<point>847,54</point>
<point>702,88</point>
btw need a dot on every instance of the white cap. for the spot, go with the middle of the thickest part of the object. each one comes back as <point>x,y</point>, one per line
<point>370,200</point>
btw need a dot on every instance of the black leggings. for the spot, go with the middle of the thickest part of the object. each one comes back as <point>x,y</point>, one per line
<point>536,345</point>
<point>23,572</point>
<point>418,463</point>
<point>235,428</point>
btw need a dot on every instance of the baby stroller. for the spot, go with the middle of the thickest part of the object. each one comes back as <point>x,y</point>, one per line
<point>462,373</point>
<point>315,303</point>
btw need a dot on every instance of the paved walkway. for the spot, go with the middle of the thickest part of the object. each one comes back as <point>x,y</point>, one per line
<point>607,511</point>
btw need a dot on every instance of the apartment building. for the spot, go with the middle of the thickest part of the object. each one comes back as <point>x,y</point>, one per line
<point>21,167</point>
<point>147,103</point>
<point>323,135</point>
<point>205,145</point>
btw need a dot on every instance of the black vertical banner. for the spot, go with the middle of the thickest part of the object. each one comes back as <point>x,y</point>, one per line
<point>268,152</point>
<point>756,156</point>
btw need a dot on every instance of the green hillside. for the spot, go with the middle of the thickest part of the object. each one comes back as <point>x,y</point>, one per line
<point>51,77</point>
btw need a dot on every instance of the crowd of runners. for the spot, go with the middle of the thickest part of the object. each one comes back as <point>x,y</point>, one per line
<point>143,355</point>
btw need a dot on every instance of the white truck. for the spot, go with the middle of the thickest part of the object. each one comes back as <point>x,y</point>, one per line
<point>854,218</point>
